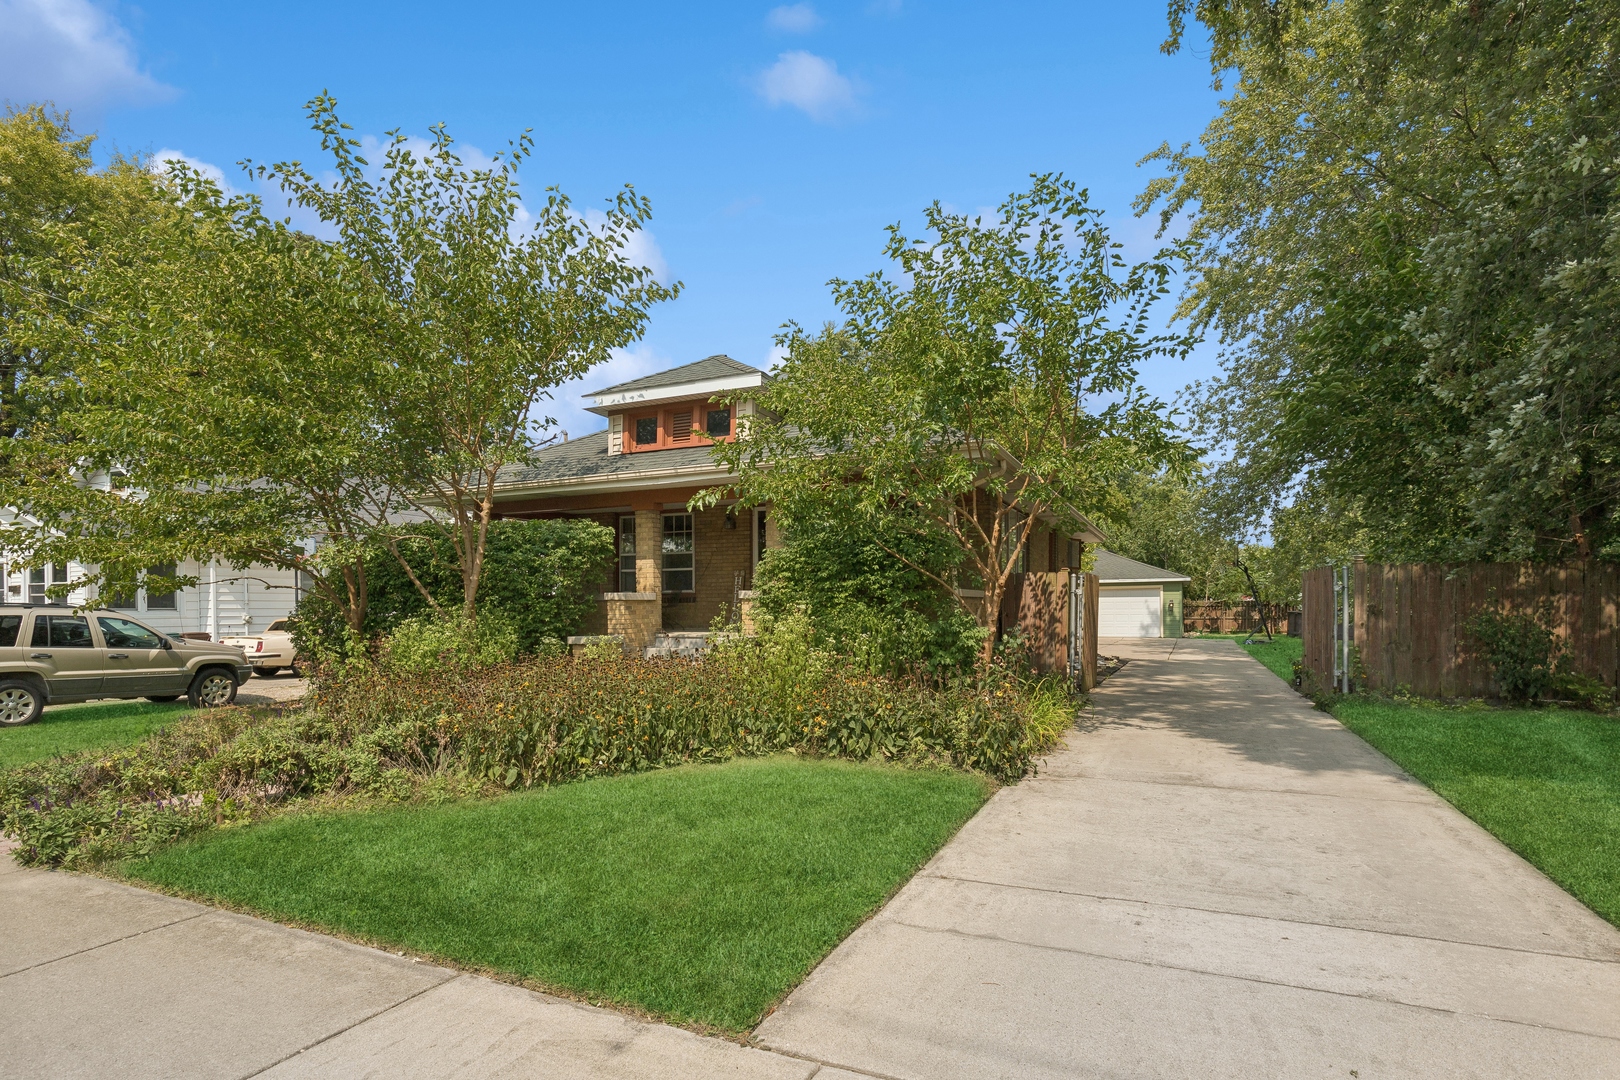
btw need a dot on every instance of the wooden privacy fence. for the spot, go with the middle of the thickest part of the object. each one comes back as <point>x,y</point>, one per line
<point>1226,617</point>
<point>1058,614</point>
<point>1410,621</point>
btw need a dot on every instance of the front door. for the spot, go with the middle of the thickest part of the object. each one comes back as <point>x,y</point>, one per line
<point>62,650</point>
<point>137,662</point>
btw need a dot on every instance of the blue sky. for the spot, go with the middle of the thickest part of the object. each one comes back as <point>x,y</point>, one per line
<point>775,142</point>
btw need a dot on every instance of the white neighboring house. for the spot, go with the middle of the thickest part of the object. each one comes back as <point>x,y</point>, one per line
<point>223,603</point>
<point>1135,599</point>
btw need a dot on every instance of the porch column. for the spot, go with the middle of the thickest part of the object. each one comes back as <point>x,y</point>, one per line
<point>636,617</point>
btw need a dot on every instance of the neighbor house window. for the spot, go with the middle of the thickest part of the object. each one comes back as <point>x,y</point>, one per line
<point>156,598</point>
<point>627,553</point>
<point>719,426</point>
<point>647,431</point>
<point>36,585</point>
<point>678,565</point>
<point>121,594</point>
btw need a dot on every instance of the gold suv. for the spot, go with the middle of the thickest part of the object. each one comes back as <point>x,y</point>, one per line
<point>51,655</point>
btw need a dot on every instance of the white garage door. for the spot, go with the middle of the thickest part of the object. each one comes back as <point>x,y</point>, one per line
<point>1129,613</point>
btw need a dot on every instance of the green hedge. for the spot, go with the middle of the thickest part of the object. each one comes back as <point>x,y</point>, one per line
<point>544,575</point>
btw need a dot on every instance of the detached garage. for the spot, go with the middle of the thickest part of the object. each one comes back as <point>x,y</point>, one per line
<point>1135,599</point>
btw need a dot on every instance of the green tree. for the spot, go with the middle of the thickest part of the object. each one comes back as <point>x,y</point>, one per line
<point>1405,235</point>
<point>55,210</point>
<point>993,380</point>
<point>220,400</point>
<point>479,312</point>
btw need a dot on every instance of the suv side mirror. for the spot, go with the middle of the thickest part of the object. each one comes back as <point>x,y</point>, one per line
<point>168,646</point>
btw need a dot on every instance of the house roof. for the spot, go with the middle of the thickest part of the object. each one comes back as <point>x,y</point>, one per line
<point>1117,569</point>
<point>718,366</point>
<point>586,460</point>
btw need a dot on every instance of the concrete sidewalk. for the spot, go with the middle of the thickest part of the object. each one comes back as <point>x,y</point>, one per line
<point>1215,880</point>
<point>102,981</point>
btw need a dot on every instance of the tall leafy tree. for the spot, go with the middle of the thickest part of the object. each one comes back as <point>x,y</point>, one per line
<point>991,380</point>
<point>222,402</point>
<point>484,306</point>
<point>1405,233</point>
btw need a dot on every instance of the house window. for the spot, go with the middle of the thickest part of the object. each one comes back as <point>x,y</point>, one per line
<point>759,535</point>
<point>647,431</point>
<point>719,426</point>
<point>36,585</point>
<point>678,565</point>
<point>627,553</point>
<point>121,594</point>
<point>156,598</point>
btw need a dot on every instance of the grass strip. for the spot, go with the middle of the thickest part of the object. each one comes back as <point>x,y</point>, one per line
<point>64,729</point>
<point>700,893</point>
<point>1546,782</point>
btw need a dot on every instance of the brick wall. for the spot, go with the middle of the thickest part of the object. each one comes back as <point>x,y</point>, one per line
<point>634,620</point>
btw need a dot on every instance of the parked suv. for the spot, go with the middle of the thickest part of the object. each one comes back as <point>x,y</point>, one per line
<point>51,655</point>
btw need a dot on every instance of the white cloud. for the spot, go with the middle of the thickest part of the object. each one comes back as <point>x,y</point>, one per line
<point>640,250</point>
<point>809,82</point>
<point>161,159</point>
<point>793,18</point>
<point>72,53</point>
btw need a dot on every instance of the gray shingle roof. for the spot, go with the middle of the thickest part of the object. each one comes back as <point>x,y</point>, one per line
<point>588,456</point>
<point>1111,568</point>
<point>710,367</point>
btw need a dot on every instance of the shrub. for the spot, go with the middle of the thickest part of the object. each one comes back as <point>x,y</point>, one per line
<point>1521,649</point>
<point>864,602</point>
<point>377,732</point>
<point>424,644</point>
<point>542,575</point>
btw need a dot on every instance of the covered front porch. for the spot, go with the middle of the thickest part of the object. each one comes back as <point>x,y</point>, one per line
<point>676,570</point>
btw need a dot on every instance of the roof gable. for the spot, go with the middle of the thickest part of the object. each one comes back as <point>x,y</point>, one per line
<point>709,368</point>
<point>1112,568</point>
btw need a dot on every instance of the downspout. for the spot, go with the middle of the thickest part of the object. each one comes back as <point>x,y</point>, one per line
<point>213,603</point>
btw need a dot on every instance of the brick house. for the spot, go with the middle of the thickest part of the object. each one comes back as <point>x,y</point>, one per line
<point>676,570</point>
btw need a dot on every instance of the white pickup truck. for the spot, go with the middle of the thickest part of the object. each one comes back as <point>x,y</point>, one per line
<point>269,652</point>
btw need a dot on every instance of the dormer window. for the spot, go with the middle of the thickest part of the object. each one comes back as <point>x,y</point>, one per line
<point>719,426</point>
<point>647,431</point>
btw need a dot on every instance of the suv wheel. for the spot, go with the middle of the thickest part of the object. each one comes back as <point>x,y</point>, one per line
<point>212,688</point>
<point>20,703</point>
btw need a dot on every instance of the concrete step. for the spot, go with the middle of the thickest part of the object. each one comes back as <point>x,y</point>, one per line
<point>688,644</point>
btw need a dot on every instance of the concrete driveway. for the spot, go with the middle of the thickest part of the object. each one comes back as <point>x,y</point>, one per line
<point>1215,880</point>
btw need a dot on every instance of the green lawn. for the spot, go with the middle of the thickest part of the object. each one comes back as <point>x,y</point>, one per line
<point>701,893</point>
<point>66,728</point>
<point>1546,782</point>
<point>1277,654</point>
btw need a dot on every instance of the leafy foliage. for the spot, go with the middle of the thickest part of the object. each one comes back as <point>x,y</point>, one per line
<point>481,306</point>
<point>990,383</point>
<point>1405,232</point>
<point>391,735</point>
<point>540,576</point>
<point>1522,650</point>
<point>864,602</point>
<point>425,645</point>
